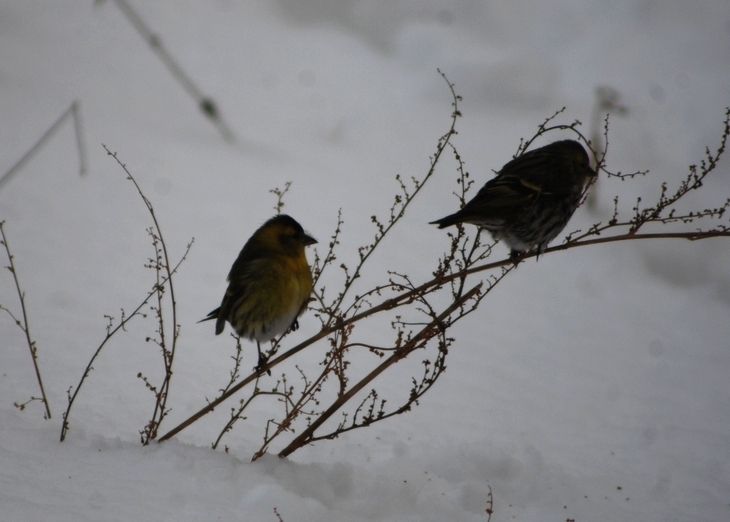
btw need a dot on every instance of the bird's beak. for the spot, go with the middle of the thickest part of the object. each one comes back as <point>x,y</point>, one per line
<point>309,240</point>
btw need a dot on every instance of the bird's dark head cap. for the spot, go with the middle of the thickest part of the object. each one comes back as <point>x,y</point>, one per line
<point>286,229</point>
<point>576,151</point>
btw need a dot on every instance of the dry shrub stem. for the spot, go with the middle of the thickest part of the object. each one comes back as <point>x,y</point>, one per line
<point>333,314</point>
<point>24,326</point>
<point>489,504</point>
<point>164,272</point>
<point>418,341</point>
<point>328,399</point>
<point>308,408</point>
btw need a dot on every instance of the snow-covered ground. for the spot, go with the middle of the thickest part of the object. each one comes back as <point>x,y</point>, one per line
<point>592,385</point>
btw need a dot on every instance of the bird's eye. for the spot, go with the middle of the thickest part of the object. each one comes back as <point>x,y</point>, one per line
<point>288,236</point>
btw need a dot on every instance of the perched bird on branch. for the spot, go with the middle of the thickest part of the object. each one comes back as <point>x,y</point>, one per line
<point>269,283</point>
<point>532,197</point>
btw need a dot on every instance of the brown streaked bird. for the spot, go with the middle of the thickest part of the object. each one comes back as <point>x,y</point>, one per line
<point>532,197</point>
<point>269,283</point>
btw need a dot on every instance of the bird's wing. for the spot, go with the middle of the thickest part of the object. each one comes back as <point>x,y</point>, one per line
<point>235,291</point>
<point>543,171</point>
<point>502,197</point>
<point>247,258</point>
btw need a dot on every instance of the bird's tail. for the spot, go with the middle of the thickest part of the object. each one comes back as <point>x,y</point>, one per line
<point>447,221</point>
<point>220,321</point>
<point>211,315</point>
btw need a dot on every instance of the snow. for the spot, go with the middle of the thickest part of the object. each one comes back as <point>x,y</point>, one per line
<point>591,385</point>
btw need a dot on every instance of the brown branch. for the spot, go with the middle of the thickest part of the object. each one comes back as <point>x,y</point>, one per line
<point>236,415</point>
<point>401,202</point>
<point>168,355</point>
<point>24,326</point>
<point>416,342</point>
<point>411,295</point>
<point>294,409</point>
<point>460,259</point>
<point>489,504</point>
<point>109,334</point>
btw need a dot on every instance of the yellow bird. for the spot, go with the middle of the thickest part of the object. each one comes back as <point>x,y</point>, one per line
<point>269,283</point>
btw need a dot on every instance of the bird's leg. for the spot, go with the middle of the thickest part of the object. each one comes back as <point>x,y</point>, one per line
<point>274,348</point>
<point>540,249</point>
<point>263,359</point>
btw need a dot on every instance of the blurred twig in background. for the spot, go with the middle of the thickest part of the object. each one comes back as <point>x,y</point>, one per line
<point>205,103</point>
<point>74,112</point>
<point>24,326</point>
<point>607,102</point>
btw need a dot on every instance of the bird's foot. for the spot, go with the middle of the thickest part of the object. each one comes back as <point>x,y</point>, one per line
<point>516,257</point>
<point>261,364</point>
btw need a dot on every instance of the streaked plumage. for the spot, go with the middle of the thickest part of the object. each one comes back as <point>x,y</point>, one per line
<point>532,197</point>
<point>269,284</point>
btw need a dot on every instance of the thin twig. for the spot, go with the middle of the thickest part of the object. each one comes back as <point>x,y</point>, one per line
<point>305,436</point>
<point>402,203</point>
<point>453,268</point>
<point>489,504</point>
<point>409,296</point>
<point>125,318</point>
<point>24,326</point>
<point>168,355</point>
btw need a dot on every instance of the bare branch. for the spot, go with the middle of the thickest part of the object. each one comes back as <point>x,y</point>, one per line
<point>309,409</point>
<point>111,330</point>
<point>24,325</point>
